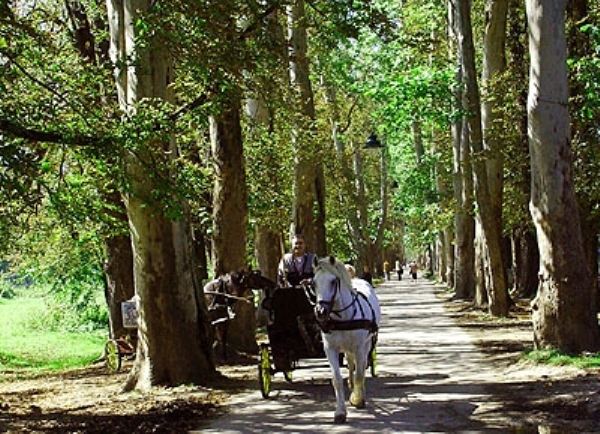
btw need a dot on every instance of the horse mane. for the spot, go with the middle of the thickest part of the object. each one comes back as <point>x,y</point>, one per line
<point>338,269</point>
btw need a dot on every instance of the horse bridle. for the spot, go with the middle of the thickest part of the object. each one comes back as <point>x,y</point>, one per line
<point>324,310</point>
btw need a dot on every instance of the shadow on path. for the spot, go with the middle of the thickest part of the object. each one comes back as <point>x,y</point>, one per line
<point>430,378</point>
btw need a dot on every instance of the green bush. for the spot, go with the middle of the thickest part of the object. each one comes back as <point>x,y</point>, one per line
<point>7,290</point>
<point>60,316</point>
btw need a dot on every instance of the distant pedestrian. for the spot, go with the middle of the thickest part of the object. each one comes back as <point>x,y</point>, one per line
<point>387,270</point>
<point>399,270</point>
<point>413,270</point>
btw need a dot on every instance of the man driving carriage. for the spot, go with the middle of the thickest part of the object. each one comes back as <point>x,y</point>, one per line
<point>296,268</point>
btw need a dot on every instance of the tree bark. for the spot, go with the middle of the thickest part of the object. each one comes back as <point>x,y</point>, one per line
<point>464,273</point>
<point>309,208</point>
<point>230,216</point>
<point>526,263</point>
<point>497,292</point>
<point>494,64</point>
<point>173,346</point>
<point>445,237</point>
<point>267,240</point>
<point>564,310</point>
<point>119,285</point>
<point>462,184</point>
<point>526,254</point>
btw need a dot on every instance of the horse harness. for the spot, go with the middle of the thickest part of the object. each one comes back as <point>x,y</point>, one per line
<point>329,324</point>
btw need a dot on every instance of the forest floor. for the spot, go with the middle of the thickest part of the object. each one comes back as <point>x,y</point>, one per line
<point>88,400</point>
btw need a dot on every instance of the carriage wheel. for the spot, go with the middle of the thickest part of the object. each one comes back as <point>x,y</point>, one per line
<point>373,361</point>
<point>264,371</point>
<point>112,355</point>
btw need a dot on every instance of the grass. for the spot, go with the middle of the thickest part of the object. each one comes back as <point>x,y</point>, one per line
<point>553,357</point>
<point>30,351</point>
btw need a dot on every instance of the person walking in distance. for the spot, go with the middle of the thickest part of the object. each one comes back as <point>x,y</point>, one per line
<point>399,270</point>
<point>413,270</point>
<point>387,268</point>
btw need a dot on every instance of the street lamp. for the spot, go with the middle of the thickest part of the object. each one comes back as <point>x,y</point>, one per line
<point>373,142</point>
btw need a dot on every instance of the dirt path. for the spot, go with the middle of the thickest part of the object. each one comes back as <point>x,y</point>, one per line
<point>432,377</point>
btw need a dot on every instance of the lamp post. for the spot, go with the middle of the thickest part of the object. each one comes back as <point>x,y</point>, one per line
<point>371,254</point>
<point>373,142</point>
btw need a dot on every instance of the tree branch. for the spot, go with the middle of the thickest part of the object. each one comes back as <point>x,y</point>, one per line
<point>13,129</point>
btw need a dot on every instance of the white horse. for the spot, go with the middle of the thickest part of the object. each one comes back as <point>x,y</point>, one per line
<point>348,312</point>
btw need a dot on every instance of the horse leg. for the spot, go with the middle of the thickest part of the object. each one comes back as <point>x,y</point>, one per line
<point>351,362</point>
<point>224,339</point>
<point>338,385</point>
<point>357,397</point>
<point>215,336</point>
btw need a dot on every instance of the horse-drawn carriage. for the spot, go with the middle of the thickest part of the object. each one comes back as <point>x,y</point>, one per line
<point>294,334</point>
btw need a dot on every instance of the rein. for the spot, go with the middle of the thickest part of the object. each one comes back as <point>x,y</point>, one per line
<point>235,297</point>
<point>222,303</point>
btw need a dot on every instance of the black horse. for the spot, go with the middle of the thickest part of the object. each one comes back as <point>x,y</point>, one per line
<point>222,295</point>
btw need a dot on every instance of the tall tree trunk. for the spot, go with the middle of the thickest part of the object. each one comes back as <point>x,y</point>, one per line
<point>464,273</point>
<point>267,240</point>
<point>482,271</point>
<point>462,183</point>
<point>269,245</point>
<point>118,280</point>
<point>494,64</point>
<point>449,236</point>
<point>229,194</point>
<point>230,215</point>
<point>497,292</point>
<point>526,263</point>
<point>526,254</point>
<point>173,346</point>
<point>309,207</point>
<point>358,217</point>
<point>564,311</point>
<point>445,237</point>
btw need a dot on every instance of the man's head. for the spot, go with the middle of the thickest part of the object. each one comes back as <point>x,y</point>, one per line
<point>351,270</point>
<point>298,245</point>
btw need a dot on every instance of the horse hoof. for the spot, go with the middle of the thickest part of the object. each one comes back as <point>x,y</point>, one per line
<point>339,418</point>
<point>358,404</point>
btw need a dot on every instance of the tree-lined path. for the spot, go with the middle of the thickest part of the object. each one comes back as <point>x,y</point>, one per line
<point>147,147</point>
<point>431,378</point>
